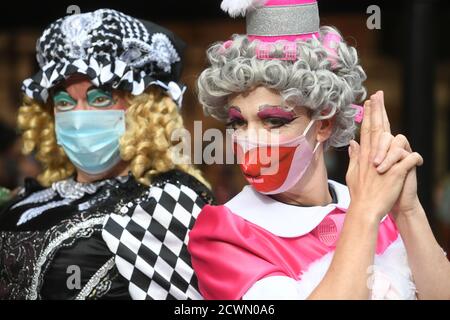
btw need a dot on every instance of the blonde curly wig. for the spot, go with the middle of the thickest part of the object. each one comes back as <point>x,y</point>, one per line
<point>151,117</point>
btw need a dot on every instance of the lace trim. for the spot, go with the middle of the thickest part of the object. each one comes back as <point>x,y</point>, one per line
<point>53,245</point>
<point>95,279</point>
<point>74,190</point>
<point>68,189</point>
<point>77,31</point>
<point>34,212</point>
<point>37,197</point>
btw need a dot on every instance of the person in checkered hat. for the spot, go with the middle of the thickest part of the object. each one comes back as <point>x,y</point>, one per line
<point>288,88</point>
<point>109,216</point>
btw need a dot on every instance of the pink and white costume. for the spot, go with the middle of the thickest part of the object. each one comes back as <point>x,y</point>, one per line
<point>255,247</point>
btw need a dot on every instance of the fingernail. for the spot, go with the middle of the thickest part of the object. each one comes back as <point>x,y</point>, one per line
<point>377,160</point>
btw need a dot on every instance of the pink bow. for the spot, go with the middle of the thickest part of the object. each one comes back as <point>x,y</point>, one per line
<point>360,112</point>
<point>330,43</point>
<point>263,50</point>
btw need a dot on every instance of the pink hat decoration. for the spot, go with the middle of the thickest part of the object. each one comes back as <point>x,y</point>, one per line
<point>277,20</point>
<point>274,20</point>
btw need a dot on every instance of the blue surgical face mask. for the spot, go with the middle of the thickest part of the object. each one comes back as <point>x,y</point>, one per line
<point>90,138</point>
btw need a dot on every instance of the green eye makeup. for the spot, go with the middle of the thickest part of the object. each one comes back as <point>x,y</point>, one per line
<point>96,97</point>
<point>63,101</point>
<point>100,98</point>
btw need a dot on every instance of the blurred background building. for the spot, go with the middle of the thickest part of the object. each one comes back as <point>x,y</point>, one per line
<point>408,57</point>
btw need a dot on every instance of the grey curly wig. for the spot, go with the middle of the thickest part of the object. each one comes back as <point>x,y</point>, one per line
<point>311,81</point>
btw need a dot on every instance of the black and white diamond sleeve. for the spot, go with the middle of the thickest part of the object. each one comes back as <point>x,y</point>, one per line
<point>150,243</point>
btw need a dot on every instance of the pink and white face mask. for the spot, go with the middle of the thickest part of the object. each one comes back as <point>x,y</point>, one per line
<point>273,168</point>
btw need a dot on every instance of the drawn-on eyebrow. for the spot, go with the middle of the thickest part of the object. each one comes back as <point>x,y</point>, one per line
<point>268,111</point>
<point>91,88</point>
<point>61,90</point>
<point>276,106</point>
<point>235,107</point>
<point>104,89</point>
<point>234,114</point>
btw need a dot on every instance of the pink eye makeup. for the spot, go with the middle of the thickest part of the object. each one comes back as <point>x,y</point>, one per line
<point>276,112</point>
<point>271,116</point>
<point>235,113</point>
<point>276,116</point>
<point>235,118</point>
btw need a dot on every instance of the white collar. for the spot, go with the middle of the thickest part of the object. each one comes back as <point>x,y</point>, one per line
<point>282,219</point>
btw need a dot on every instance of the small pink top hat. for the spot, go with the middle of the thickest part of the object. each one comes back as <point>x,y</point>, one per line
<point>274,20</point>
<point>288,20</point>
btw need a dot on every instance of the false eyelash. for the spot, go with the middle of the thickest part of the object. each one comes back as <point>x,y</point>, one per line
<point>232,121</point>
<point>284,121</point>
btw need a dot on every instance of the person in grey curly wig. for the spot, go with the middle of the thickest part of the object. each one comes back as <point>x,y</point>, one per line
<point>328,88</point>
<point>293,233</point>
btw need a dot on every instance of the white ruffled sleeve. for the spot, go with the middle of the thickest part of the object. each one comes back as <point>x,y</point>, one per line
<point>390,278</point>
<point>274,288</point>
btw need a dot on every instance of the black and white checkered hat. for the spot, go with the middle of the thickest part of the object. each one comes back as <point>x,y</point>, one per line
<point>112,49</point>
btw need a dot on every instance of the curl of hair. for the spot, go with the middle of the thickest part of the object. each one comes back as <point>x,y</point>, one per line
<point>36,121</point>
<point>311,81</point>
<point>151,117</point>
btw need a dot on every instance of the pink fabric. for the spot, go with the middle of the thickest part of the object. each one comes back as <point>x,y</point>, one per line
<point>329,229</point>
<point>261,54</point>
<point>331,38</point>
<point>230,254</point>
<point>263,50</point>
<point>227,44</point>
<point>271,3</point>
<point>360,114</point>
<point>330,43</point>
